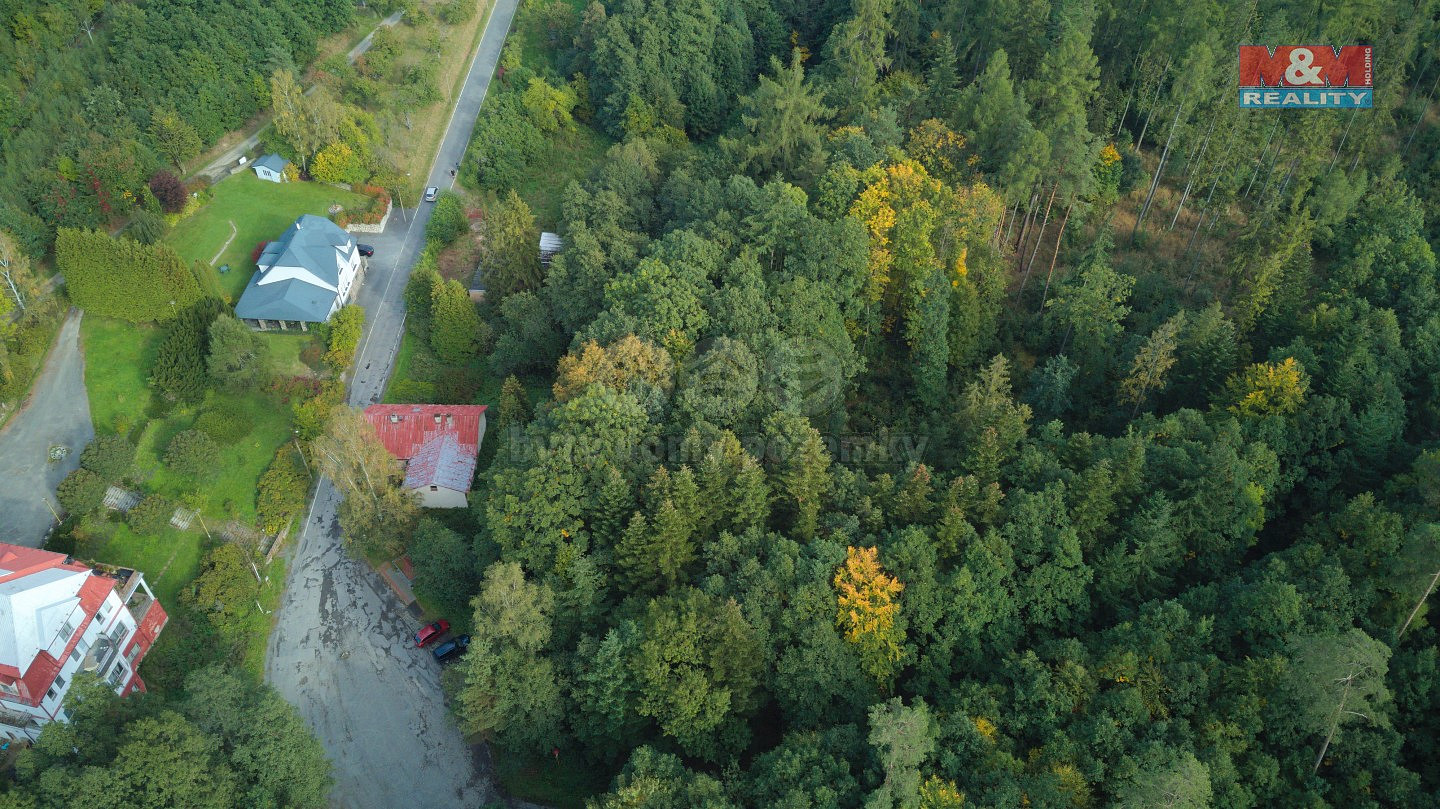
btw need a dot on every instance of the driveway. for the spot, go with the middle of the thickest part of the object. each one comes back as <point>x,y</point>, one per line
<point>57,412</point>
<point>340,651</point>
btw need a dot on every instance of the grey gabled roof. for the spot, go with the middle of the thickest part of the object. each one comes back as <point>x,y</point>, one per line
<point>290,299</point>
<point>310,243</point>
<point>271,161</point>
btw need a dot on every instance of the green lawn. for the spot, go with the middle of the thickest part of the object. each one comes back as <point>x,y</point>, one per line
<point>258,632</point>
<point>118,356</point>
<point>169,559</point>
<point>260,211</point>
<point>285,351</point>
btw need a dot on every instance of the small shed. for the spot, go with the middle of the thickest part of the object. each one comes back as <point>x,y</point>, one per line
<point>550,244</point>
<point>271,167</point>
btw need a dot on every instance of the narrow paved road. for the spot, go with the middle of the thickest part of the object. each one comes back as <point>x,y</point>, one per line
<point>57,412</point>
<point>341,648</point>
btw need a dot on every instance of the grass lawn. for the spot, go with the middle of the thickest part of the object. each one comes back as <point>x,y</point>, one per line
<point>260,211</point>
<point>257,634</point>
<point>118,356</point>
<point>285,351</point>
<point>169,559</point>
<point>563,784</point>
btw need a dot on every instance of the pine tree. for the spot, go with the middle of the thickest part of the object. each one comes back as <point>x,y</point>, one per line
<point>455,326</point>
<point>1152,361</point>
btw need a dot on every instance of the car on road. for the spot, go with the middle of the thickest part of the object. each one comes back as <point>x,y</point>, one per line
<point>431,192</point>
<point>365,250</point>
<point>430,633</point>
<point>451,649</point>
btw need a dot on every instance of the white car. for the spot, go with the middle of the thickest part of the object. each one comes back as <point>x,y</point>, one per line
<point>431,193</point>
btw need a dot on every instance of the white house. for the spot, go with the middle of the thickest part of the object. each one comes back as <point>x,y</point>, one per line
<point>58,618</point>
<point>302,277</point>
<point>271,167</point>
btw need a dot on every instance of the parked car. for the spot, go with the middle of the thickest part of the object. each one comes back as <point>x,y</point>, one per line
<point>365,250</point>
<point>451,649</point>
<point>431,193</point>
<point>431,632</point>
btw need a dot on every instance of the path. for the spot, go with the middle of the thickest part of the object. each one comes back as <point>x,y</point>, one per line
<point>56,412</point>
<point>341,648</point>
<point>220,166</point>
<point>221,251</point>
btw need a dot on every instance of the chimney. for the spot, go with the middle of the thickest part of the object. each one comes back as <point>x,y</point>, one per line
<point>394,418</point>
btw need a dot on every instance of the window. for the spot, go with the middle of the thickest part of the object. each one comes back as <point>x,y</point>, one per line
<point>104,613</point>
<point>67,629</point>
<point>59,681</point>
<point>51,693</point>
<point>434,488</point>
<point>75,653</point>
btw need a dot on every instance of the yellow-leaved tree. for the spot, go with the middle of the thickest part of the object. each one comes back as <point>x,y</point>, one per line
<point>1269,388</point>
<point>866,605</point>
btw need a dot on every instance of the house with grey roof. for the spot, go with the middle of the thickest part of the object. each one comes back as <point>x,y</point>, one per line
<point>271,167</point>
<point>302,277</point>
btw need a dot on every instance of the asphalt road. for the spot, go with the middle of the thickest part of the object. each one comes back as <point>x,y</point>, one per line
<point>57,412</point>
<point>341,649</point>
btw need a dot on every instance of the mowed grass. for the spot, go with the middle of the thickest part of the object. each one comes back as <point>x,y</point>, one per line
<point>260,211</point>
<point>117,358</point>
<point>169,559</point>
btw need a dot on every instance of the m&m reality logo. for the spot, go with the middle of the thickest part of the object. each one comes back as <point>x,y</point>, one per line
<point>1306,77</point>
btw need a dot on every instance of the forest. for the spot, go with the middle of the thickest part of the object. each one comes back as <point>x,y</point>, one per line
<point>959,404</point>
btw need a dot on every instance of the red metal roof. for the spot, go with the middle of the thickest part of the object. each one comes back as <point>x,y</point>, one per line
<point>41,674</point>
<point>18,561</point>
<point>413,425</point>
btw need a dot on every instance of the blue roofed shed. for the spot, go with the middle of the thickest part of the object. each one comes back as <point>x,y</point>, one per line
<point>271,167</point>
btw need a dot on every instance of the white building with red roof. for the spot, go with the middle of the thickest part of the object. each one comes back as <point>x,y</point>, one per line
<point>436,445</point>
<point>59,617</point>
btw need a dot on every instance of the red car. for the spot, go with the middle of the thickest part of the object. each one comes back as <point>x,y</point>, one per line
<point>431,632</point>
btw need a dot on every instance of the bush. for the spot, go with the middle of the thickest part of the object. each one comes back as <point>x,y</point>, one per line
<point>311,415</point>
<point>447,220</point>
<point>151,515</point>
<point>109,457</point>
<point>225,420</point>
<point>191,453</point>
<point>146,227</point>
<point>81,492</point>
<point>343,336</point>
<point>280,494</point>
<point>168,189</point>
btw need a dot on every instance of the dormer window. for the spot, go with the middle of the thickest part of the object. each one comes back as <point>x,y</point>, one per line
<point>437,419</point>
<point>394,418</point>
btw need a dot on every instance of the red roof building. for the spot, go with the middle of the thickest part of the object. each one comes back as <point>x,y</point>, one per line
<point>59,617</point>
<point>436,445</point>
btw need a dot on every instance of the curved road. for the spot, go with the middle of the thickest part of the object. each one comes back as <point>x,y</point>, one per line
<point>340,650</point>
<point>57,412</point>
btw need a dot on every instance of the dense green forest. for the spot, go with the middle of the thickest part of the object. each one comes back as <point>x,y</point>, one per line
<point>96,96</point>
<point>961,403</point>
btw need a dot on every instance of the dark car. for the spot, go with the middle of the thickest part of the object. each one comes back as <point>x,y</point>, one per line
<point>365,250</point>
<point>431,632</point>
<point>451,649</point>
<point>431,192</point>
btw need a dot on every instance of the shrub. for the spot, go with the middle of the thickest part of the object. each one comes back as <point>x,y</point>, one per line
<point>168,189</point>
<point>225,420</point>
<point>146,227</point>
<point>447,220</point>
<point>81,492</point>
<point>109,457</point>
<point>179,372</point>
<point>191,453</point>
<point>343,337</point>
<point>311,415</point>
<point>280,494</point>
<point>122,278</point>
<point>151,515</point>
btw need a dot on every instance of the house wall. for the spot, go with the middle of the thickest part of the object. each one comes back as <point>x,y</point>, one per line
<point>441,497</point>
<point>267,174</point>
<point>113,619</point>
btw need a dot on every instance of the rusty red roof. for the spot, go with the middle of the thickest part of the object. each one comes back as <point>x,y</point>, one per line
<point>405,428</point>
